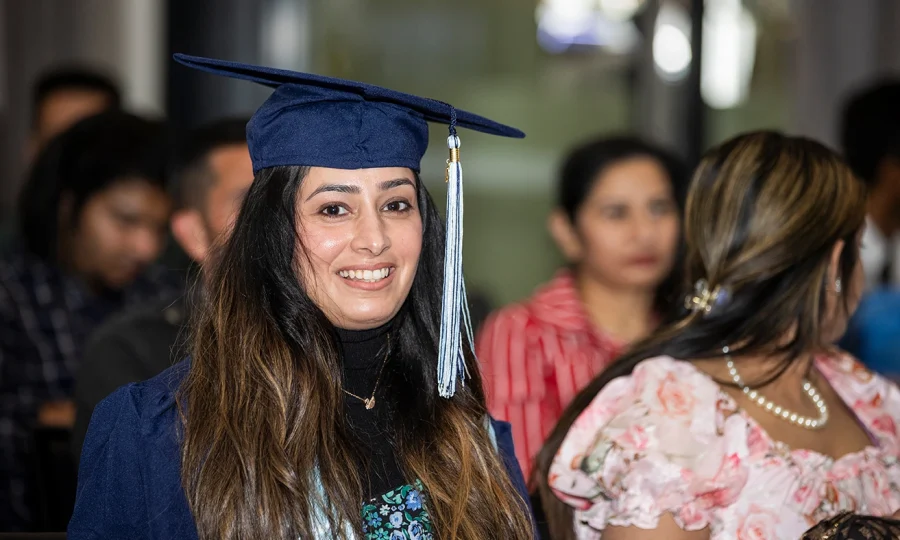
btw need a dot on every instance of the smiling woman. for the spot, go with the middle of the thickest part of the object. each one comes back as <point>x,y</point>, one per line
<point>361,233</point>
<point>314,402</point>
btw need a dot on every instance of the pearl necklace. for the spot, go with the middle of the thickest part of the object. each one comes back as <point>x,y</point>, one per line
<point>777,410</point>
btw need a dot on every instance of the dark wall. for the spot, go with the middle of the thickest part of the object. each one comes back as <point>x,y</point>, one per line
<point>228,29</point>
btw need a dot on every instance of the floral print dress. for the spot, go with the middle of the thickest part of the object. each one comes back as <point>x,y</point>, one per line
<point>399,514</point>
<point>667,439</point>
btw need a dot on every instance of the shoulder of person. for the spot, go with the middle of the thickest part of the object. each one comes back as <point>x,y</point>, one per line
<point>660,440</point>
<point>504,328</point>
<point>517,312</point>
<point>152,401</point>
<point>161,280</point>
<point>134,322</point>
<point>162,389</point>
<point>517,319</point>
<point>129,483</point>
<point>664,389</point>
<point>842,367</point>
<point>867,393</point>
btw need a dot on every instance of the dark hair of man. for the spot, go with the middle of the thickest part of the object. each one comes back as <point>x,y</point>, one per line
<point>192,175</point>
<point>72,79</point>
<point>870,128</point>
<point>81,162</point>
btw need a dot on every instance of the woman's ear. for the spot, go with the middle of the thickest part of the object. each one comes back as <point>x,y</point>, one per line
<point>565,236</point>
<point>834,267</point>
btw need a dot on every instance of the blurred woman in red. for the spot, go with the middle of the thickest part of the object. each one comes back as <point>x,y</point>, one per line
<point>617,222</point>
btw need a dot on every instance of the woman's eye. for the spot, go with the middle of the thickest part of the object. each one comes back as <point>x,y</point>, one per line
<point>334,210</point>
<point>397,206</point>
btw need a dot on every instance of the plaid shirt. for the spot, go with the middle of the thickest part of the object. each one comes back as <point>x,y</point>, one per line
<point>45,320</point>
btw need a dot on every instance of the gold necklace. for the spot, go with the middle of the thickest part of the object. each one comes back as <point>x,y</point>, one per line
<point>370,403</point>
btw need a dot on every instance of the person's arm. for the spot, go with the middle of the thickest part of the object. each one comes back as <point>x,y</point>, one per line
<point>667,529</point>
<point>638,465</point>
<point>110,501</point>
<point>10,477</point>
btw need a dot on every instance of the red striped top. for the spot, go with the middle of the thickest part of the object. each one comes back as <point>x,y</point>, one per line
<point>536,356</point>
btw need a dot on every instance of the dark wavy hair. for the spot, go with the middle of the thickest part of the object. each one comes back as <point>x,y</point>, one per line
<point>80,163</point>
<point>764,212</point>
<point>870,128</point>
<point>263,407</point>
<point>72,78</point>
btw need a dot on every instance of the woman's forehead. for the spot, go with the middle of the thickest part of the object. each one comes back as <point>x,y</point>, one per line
<point>361,177</point>
<point>633,179</point>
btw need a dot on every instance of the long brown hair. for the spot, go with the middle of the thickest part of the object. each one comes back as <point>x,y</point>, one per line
<point>764,212</point>
<point>266,448</point>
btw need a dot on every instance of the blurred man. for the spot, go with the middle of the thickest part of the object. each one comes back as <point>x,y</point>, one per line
<point>59,99</point>
<point>213,174</point>
<point>64,96</point>
<point>870,135</point>
<point>92,219</point>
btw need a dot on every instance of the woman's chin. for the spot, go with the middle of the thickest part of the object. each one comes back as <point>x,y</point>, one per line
<point>362,321</point>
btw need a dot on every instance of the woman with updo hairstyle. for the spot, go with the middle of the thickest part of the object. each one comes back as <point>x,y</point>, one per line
<point>739,419</point>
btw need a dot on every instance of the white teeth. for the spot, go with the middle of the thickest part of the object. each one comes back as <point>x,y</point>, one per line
<point>369,276</point>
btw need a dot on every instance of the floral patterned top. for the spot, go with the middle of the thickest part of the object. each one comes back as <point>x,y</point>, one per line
<point>668,439</point>
<point>399,514</point>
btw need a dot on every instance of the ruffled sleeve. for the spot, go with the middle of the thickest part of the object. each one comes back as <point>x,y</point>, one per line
<point>873,398</point>
<point>658,441</point>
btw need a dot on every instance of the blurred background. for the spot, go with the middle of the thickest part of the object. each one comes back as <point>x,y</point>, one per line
<point>559,69</point>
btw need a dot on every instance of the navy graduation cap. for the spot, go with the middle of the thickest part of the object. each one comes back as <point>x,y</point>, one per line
<point>318,121</point>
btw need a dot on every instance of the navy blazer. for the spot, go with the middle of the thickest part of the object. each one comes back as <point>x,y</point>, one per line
<point>129,481</point>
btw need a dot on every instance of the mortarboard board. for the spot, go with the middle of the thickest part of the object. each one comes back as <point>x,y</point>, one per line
<point>318,121</point>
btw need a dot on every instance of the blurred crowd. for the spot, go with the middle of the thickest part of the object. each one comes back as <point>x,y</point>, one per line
<point>90,298</point>
<point>93,294</point>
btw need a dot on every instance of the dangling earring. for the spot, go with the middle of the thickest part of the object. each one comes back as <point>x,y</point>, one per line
<point>837,286</point>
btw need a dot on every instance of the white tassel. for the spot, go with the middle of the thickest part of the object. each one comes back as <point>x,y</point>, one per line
<point>455,316</point>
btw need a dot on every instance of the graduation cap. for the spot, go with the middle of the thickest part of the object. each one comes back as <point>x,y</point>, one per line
<point>318,121</point>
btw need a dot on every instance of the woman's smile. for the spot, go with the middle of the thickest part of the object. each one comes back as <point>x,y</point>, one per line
<point>368,278</point>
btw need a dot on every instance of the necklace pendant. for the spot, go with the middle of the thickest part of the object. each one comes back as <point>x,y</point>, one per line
<point>370,403</point>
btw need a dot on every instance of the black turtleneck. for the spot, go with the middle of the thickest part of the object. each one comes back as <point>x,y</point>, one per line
<point>363,354</point>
